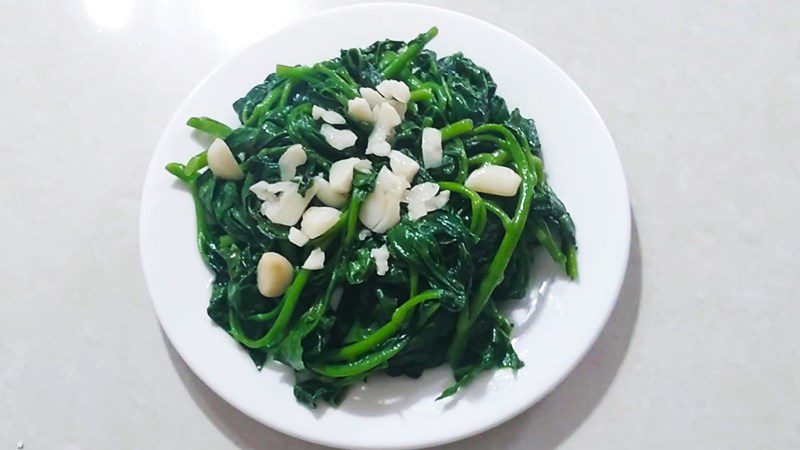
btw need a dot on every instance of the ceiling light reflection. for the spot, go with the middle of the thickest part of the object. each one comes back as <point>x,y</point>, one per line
<point>111,14</point>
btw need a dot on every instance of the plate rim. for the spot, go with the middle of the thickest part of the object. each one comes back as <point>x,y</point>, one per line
<point>508,414</point>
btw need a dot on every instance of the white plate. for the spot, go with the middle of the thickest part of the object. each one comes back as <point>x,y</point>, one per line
<point>556,325</point>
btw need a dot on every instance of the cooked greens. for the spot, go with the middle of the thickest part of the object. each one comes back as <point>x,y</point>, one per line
<point>422,200</point>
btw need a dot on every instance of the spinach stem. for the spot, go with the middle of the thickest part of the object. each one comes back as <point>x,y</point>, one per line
<point>190,171</point>
<point>399,318</point>
<point>478,219</point>
<point>287,90</point>
<point>411,51</point>
<point>497,267</point>
<point>456,129</point>
<point>362,365</point>
<point>265,106</point>
<point>210,126</point>
<point>413,281</point>
<point>421,95</point>
<point>290,299</point>
<point>545,238</point>
<point>493,208</point>
<point>498,157</point>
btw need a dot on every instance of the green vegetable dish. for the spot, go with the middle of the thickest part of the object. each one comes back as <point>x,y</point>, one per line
<point>373,213</point>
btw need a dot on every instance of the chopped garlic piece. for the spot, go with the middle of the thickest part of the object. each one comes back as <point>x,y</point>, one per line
<point>288,207</point>
<point>372,96</point>
<point>315,260</point>
<point>381,257</point>
<point>398,106</point>
<point>359,109</point>
<point>381,210</point>
<point>318,219</point>
<point>274,273</point>
<point>438,202</point>
<point>417,210</point>
<point>331,117</point>
<point>290,160</point>
<point>297,237</point>
<point>363,166</point>
<point>403,165</point>
<point>431,147</point>
<point>281,186</point>
<point>394,89</point>
<point>421,192</point>
<point>262,191</point>
<point>363,234</point>
<point>327,195</point>
<point>386,117</point>
<point>494,180</point>
<point>423,198</point>
<point>377,144</point>
<point>389,181</point>
<point>221,161</point>
<point>338,139</point>
<point>340,175</point>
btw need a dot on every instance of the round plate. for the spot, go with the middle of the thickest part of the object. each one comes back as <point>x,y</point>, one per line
<point>555,325</point>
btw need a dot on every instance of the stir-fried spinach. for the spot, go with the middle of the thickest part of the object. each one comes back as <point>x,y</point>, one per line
<point>438,302</point>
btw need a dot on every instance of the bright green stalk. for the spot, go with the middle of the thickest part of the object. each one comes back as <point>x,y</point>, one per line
<point>497,267</point>
<point>362,365</point>
<point>456,129</point>
<point>210,126</point>
<point>411,51</point>
<point>478,218</point>
<point>275,333</point>
<point>379,336</point>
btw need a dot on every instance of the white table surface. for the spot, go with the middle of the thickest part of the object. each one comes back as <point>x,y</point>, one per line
<point>702,98</point>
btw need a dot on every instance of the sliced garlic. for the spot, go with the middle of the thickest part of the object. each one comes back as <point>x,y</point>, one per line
<point>377,144</point>
<point>290,160</point>
<point>318,219</point>
<point>381,210</point>
<point>417,210</point>
<point>398,106</point>
<point>359,109</point>
<point>403,165</point>
<point>389,181</point>
<point>439,201</point>
<point>394,89</point>
<point>297,237</point>
<point>274,273</point>
<point>338,139</point>
<point>315,260</point>
<point>221,161</point>
<point>281,186</point>
<point>423,198</point>
<point>363,234</point>
<point>381,257</point>
<point>431,147</point>
<point>262,191</point>
<point>495,180</point>
<point>287,208</point>
<point>363,166</point>
<point>331,117</point>
<point>421,193</point>
<point>386,117</point>
<point>373,97</point>
<point>327,195</point>
<point>340,175</point>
